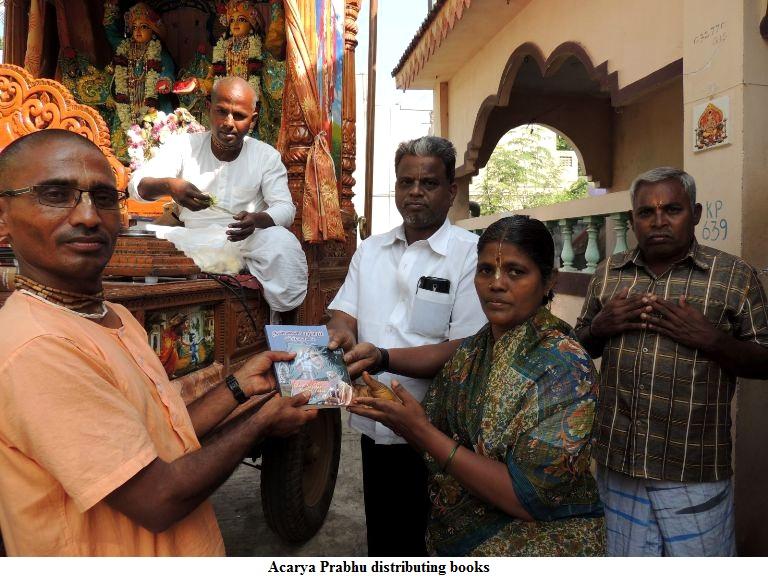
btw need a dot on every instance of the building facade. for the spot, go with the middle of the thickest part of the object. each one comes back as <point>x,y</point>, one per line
<point>633,85</point>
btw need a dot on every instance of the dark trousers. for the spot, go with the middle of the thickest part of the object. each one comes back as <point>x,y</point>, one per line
<point>396,499</point>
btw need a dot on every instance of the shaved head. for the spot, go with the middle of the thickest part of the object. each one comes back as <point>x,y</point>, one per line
<point>233,113</point>
<point>234,84</point>
<point>31,148</point>
<point>59,246</point>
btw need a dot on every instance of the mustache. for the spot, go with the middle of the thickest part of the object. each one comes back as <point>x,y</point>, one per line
<point>86,236</point>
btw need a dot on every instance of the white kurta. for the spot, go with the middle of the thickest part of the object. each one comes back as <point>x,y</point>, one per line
<point>255,181</point>
<point>380,291</point>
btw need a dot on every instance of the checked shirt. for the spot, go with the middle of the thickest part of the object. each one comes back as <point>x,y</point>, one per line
<point>664,408</point>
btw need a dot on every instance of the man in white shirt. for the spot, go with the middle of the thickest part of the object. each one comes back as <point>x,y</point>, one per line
<point>248,184</point>
<point>413,285</point>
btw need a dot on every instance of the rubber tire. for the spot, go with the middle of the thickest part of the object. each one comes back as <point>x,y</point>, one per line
<point>298,477</point>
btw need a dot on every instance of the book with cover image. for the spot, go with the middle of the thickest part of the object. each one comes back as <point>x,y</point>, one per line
<point>315,369</point>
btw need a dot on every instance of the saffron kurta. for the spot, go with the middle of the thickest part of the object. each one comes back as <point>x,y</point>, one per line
<point>83,409</point>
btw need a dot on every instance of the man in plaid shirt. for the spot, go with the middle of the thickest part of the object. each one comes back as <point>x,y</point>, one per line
<point>675,323</point>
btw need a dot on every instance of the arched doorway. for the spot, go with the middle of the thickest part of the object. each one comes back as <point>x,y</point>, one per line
<point>564,92</point>
<point>531,165</point>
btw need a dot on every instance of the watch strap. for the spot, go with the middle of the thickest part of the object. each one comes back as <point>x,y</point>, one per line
<point>383,364</point>
<point>234,387</point>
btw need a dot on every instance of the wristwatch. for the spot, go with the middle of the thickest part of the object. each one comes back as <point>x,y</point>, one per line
<point>383,363</point>
<point>234,387</point>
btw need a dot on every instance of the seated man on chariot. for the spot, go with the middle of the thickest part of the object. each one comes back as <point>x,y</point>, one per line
<point>224,178</point>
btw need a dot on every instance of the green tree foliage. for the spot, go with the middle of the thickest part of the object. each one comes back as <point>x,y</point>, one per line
<point>562,143</point>
<point>523,173</point>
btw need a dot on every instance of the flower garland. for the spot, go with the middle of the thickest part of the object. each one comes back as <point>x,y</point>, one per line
<point>224,54</point>
<point>153,129</point>
<point>152,67</point>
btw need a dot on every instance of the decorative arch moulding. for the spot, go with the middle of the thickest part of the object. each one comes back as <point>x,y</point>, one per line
<point>607,80</point>
<point>429,37</point>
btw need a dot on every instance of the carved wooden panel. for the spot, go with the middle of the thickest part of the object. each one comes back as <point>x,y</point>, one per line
<point>349,112</point>
<point>245,338</point>
<point>319,296</point>
<point>28,105</point>
<point>235,336</point>
<point>143,256</point>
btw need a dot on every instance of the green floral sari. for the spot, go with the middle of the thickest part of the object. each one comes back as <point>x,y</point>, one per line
<point>527,400</point>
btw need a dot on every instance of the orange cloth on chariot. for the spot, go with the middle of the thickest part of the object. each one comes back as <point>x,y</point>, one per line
<point>321,213</point>
<point>83,408</point>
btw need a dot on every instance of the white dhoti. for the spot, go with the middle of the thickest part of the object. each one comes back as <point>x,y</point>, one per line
<point>272,255</point>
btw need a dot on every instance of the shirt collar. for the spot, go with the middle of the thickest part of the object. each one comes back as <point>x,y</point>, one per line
<point>438,241</point>
<point>696,254</point>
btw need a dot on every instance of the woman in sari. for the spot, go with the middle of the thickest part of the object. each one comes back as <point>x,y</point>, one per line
<point>505,426</point>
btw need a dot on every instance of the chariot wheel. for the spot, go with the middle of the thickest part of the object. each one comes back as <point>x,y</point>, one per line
<point>298,477</point>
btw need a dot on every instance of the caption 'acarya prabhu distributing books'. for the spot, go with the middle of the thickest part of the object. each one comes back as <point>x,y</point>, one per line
<point>315,369</point>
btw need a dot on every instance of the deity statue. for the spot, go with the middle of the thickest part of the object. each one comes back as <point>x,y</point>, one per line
<point>241,51</point>
<point>143,71</point>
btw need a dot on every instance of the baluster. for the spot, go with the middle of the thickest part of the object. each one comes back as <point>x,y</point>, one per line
<point>620,226</point>
<point>552,227</point>
<point>566,231</point>
<point>592,253</point>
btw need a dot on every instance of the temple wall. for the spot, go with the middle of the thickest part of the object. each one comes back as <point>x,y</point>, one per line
<point>647,134</point>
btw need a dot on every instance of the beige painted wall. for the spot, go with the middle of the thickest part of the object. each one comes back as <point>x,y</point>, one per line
<point>732,179</point>
<point>755,182</point>
<point>724,55</point>
<point>567,307</point>
<point>713,67</point>
<point>648,133</point>
<point>617,32</point>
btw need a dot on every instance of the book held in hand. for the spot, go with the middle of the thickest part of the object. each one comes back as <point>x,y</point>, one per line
<point>315,369</point>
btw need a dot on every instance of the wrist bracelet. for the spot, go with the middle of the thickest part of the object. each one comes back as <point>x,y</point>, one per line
<point>383,364</point>
<point>234,387</point>
<point>450,457</point>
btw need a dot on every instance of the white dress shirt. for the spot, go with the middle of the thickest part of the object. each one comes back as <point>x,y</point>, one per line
<point>255,181</point>
<point>380,291</point>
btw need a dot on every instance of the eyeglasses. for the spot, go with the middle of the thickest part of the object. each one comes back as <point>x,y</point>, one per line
<point>62,196</point>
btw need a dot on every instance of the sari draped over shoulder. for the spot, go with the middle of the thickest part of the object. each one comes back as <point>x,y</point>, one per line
<point>527,400</point>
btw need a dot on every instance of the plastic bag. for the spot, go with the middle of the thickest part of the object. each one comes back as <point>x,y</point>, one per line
<point>208,247</point>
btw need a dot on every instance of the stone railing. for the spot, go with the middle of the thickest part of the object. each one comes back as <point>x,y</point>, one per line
<point>585,230</point>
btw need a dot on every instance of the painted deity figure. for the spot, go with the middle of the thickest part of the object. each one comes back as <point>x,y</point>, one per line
<point>241,51</point>
<point>143,71</point>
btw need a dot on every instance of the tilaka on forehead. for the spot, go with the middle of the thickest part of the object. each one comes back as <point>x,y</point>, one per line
<point>497,273</point>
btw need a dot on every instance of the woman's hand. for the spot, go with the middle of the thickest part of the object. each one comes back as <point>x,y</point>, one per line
<point>405,418</point>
